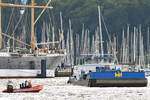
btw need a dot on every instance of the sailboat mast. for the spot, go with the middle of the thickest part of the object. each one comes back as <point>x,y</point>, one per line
<point>61,32</point>
<point>0,25</point>
<point>100,30</point>
<point>32,27</point>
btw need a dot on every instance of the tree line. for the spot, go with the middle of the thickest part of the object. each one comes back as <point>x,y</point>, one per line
<point>116,13</point>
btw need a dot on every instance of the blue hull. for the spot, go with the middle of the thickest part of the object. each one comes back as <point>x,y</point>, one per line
<point>117,79</point>
<point>117,75</point>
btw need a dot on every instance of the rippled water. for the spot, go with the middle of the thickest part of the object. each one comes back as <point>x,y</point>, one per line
<point>58,89</point>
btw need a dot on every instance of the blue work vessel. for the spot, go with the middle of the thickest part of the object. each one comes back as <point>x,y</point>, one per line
<point>116,75</point>
<point>116,78</point>
<point>101,71</point>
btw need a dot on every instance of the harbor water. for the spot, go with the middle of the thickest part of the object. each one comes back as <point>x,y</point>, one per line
<point>58,89</point>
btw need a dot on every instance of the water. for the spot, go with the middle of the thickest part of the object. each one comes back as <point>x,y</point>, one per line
<point>58,89</point>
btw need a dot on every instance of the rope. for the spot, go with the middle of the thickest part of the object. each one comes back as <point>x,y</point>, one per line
<point>10,19</point>
<point>42,12</point>
<point>17,24</point>
<point>15,39</point>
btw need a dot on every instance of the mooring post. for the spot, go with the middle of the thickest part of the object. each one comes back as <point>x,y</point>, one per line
<point>43,68</point>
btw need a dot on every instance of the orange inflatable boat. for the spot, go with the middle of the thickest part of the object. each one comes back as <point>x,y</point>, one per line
<point>32,89</point>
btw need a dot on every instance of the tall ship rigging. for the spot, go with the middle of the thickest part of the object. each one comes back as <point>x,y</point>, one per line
<point>26,60</point>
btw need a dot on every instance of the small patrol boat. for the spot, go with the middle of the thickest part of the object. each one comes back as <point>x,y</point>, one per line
<point>24,87</point>
<point>32,89</point>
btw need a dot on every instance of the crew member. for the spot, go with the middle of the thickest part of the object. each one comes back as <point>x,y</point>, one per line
<point>30,85</point>
<point>10,86</point>
<point>26,84</point>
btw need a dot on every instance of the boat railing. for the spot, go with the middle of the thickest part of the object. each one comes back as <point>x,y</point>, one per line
<point>52,51</point>
<point>99,60</point>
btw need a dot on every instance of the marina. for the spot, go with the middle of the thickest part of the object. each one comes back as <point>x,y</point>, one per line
<point>49,51</point>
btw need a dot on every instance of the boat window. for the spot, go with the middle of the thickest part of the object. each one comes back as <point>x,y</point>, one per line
<point>87,61</point>
<point>112,60</point>
<point>105,60</point>
<point>99,60</point>
<point>90,61</point>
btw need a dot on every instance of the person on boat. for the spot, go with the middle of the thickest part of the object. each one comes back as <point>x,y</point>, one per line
<point>10,86</point>
<point>30,85</point>
<point>23,86</point>
<point>20,86</point>
<point>72,79</point>
<point>26,84</point>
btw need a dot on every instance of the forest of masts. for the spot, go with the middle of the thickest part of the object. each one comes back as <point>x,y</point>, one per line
<point>130,48</point>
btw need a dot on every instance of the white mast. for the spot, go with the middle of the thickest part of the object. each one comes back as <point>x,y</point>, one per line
<point>97,40</point>
<point>93,45</point>
<point>100,30</point>
<point>77,49</point>
<point>123,47</point>
<point>48,33</point>
<point>67,49</point>
<point>148,47</point>
<point>53,36</point>
<point>71,43</point>
<point>127,45</point>
<point>135,48</point>
<point>88,42</point>
<point>115,49</point>
<point>61,31</point>
<point>82,40</point>
<point>141,48</point>
<point>43,33</point>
